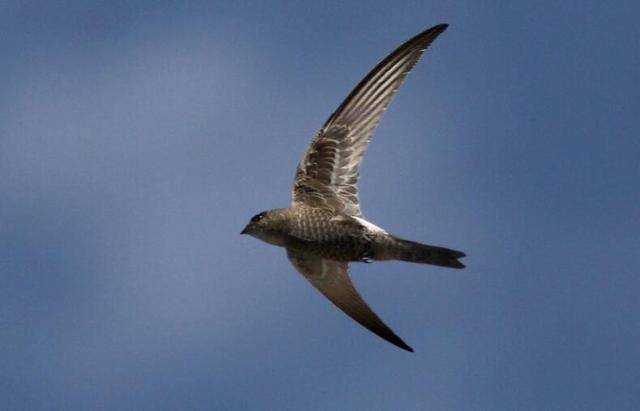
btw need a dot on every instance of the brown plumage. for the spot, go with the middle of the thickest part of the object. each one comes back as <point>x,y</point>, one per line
<point>324,228</point>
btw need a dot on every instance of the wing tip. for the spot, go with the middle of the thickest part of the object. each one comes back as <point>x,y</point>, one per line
<point>435,30</point>
<point>441,26</point>
<point>425,38</point>
<point>397,341</point>
<point>406,348</point>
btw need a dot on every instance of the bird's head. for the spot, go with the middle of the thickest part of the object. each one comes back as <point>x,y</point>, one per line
<point>265,226</point>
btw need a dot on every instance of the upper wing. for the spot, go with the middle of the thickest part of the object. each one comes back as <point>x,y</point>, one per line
<point>332,279</point>
<point>327,175</point>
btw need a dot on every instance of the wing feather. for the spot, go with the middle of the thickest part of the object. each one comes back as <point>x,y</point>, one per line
<point>328,172</point>
<point>331,278</point>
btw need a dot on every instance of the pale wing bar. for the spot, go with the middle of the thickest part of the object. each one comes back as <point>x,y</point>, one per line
<point>328,173</point>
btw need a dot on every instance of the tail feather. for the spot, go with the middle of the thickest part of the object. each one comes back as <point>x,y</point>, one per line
<point>394,248</point>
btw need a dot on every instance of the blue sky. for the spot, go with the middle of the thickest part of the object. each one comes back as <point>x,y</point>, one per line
<point>136,140</point>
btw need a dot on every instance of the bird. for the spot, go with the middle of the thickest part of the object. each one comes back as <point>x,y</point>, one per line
<point>323,229</point>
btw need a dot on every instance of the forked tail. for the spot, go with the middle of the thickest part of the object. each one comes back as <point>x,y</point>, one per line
<point>393,248</point>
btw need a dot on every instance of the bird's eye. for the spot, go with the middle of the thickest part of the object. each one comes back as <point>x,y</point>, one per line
<point>257,218</point>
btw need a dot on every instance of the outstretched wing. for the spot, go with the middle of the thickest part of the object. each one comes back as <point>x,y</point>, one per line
<point>332,279</point>
<point>327,175</point>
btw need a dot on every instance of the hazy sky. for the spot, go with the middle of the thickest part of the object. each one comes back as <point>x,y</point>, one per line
<point>137,139</point>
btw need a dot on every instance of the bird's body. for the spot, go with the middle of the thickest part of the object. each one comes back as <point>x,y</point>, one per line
<point>324,230</point>
<point>345,238</point>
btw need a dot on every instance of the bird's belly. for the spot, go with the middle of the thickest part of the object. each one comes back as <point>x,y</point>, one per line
<point>349,249</point>
<point>338,238</point>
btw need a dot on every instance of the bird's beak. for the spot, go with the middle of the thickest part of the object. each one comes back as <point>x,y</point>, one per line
<point>244,230</point>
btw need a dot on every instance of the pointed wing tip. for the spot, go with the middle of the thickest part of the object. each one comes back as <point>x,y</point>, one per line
<point>438,30</point>
<point>406,348</point>
<point>425,38</point>
<point>397,341</point>
<point>435,30</point>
